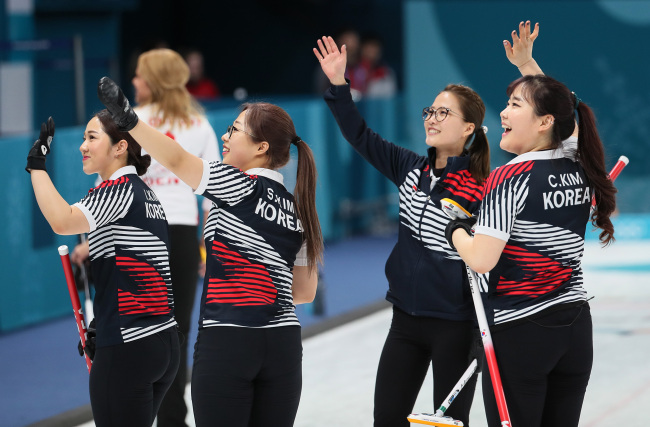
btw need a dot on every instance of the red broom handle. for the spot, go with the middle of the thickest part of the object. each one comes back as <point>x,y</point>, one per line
<point>74,298</point>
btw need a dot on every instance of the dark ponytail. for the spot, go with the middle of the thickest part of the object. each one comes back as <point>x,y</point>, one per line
<point>305,195</point>
<point>591,155</point>
<point>479,156</point>
<point>473,110</point>
<point>272,124</point>
<point>134,151</point>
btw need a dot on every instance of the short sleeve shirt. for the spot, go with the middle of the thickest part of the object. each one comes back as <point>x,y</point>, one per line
<point>539,204</point>
<point>129,259</point>
<point>253,239</point>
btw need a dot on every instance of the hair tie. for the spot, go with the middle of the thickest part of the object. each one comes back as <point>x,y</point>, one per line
<point>576,104</point>
<point>484,129</point>
<point>296,140</point>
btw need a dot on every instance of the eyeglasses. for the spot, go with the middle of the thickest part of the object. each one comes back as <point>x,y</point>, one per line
<point>440,113</point>
<point>232,129</point>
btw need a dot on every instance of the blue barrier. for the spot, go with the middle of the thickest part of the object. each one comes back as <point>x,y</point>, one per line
<point>351,198</point>
<point>33,289</point>
<point>626,227</point>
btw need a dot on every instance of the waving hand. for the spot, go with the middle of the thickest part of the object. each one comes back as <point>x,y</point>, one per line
<point>332,61</point>
<point>520,53</point>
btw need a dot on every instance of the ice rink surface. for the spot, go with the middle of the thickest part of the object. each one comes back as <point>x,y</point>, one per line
<point>340,364</point>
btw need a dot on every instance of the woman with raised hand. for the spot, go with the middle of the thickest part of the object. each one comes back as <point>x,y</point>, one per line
<point>433,316</point>
<point>135,352</point>
<point>164,103</point>
<point>263,247</point>
<point>530,238</point>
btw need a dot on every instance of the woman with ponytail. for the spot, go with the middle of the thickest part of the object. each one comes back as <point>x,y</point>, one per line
<point>263,245</point>
<point>530,238</point>
<point>433,315</point>
<point>133,343</point>
<point>164,103</point>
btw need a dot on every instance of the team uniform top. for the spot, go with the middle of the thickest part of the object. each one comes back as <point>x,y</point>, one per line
<point>129,259</point>
<point>198,138</point>
<point>252,238</point>
<point>426,276</point>
<point>539,204</point>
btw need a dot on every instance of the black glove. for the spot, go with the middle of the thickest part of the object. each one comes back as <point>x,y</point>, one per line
<point>116,103</point>
<point>41,148</point>
<point>466,224</point>
<point>91,337</point>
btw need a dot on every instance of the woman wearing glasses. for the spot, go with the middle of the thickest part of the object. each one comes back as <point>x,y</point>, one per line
<point>432,308</point>
<point>263,247</point>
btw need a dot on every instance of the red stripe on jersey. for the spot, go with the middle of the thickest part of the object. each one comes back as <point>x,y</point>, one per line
<point>153,298</point>
<point>463,185</point>
<point>121,180</point>
<point>504,172</point>
<point>245,283</point>
<point>540,274</point>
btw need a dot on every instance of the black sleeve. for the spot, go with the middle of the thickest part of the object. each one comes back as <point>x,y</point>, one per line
<point>393,161</point>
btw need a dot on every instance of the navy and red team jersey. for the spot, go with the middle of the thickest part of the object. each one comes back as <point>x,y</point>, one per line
<point>538,203</point>
<point>426,277</point>
<point>129,259</point>
<point>252,236</point>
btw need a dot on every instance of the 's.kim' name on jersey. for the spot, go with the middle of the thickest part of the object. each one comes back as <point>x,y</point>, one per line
<point>279,210</point>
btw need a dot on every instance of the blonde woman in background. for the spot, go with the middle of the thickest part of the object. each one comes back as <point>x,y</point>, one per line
<point>165,104</point>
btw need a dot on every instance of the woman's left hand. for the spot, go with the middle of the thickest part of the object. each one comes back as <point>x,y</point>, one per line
<point>41,148</point>
<point>521,50</point>
<point>332,61</point>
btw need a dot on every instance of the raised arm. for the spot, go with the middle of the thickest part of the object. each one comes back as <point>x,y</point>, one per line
<point>520,53</point>
<point>63,218</point>
<point>170,154</point>
<point>332,61</point>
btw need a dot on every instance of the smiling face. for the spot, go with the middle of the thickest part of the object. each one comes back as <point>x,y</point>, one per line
<point>239,149</point>
<point>524,131</point>
<point>99,154</point>
<point>449,135</point>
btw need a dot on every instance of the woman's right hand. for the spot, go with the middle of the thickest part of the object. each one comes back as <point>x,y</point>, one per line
<point>332,61</point>
<point>80,253</point>
<point>116,103</point>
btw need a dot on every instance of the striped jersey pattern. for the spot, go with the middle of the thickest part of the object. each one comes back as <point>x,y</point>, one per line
<point>130,260</point>
<point>540,266</point>
<point>426,219</point>
<point>252,240</point>
<point>425,276</point>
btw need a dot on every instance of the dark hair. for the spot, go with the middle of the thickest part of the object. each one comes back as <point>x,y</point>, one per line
<point>272,124</point>
<point>473,110</point>
<point>549,96</point>
<point>134,151</point>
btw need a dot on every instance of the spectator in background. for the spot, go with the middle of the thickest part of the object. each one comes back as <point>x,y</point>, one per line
<point>372,76</point>
<point>199,85</point>
<point>165,104</point>
<point>349,37</point>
